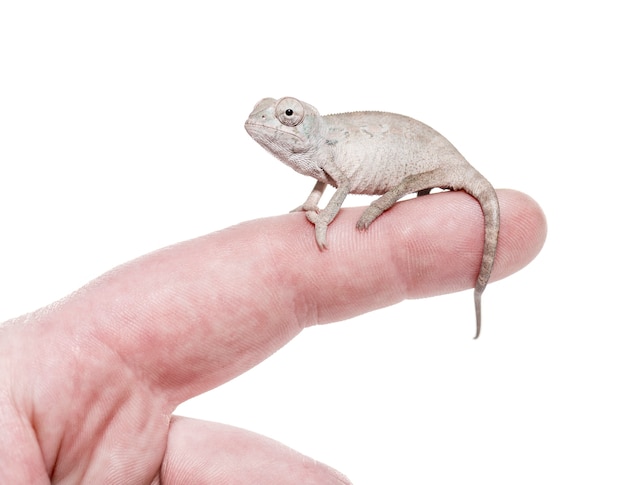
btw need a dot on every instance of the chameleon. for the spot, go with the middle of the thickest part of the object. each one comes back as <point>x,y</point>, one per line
<point>373,153</point>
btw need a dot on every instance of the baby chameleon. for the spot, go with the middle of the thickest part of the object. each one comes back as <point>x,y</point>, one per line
<point>371,153</point>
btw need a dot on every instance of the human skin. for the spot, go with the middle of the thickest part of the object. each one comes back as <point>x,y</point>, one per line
<point>88,384</point>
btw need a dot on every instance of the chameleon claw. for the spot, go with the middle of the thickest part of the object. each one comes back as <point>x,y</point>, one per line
<point>362,225</point>
<point>368,216</point>
<point>320,236</point>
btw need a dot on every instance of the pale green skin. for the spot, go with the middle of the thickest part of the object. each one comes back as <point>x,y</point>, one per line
<point>374,153</point>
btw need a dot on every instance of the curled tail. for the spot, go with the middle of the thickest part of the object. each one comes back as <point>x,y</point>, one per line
<point>483,191</point>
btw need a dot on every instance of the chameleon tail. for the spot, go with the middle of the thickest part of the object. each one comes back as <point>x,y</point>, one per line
<point>477,298</point>
<point>484,192</point>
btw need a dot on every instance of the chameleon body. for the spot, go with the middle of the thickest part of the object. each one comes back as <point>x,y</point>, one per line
<point>373,153</point>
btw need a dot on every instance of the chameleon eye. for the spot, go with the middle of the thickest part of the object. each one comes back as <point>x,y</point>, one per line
<point>289,111</point>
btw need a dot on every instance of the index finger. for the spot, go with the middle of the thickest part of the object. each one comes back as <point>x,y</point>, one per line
<point>192,316</point>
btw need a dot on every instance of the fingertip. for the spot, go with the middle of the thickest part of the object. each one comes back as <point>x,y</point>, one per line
<point>206,452</point>
<point>523,232</point>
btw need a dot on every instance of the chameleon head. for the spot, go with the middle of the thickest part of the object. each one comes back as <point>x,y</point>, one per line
<point>290,130</point>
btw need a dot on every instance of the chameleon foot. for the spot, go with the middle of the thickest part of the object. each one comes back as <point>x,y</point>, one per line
<point>368,216</point>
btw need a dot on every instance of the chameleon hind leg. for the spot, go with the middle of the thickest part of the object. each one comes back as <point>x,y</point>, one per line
<point>481,190</point>
<point>421,183</point>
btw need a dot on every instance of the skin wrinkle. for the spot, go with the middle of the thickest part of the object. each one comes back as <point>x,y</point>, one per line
<point>274,299</point>
<point>92,423</point>
<point>389,258</point>
<point>289,300</point>
<point>20,436</point>
<point>410,272</point>
<point>232,299</point>
<point>298,289</point>
<point>104,416</point>
<point>379,284</point>
<point>272,265</point>
<point>88,357</point>
<point>42,365</point>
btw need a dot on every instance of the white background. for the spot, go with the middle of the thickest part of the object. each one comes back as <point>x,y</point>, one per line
<point>121,131</point>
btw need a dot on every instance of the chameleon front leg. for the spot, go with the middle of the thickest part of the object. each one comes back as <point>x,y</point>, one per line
<point>310,204</point>
<point>324,217</point>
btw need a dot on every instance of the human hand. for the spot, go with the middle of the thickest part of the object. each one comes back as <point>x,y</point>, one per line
<point>88,384</point>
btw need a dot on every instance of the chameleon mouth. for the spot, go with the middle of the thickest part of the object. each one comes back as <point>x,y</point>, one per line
<point>258,129</point>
